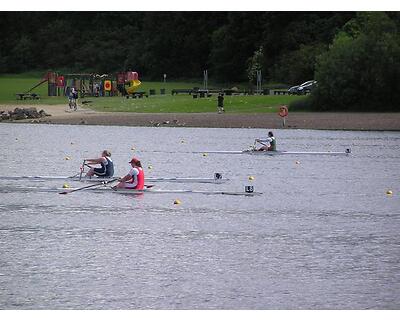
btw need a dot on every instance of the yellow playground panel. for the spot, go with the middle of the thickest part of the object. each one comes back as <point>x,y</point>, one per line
<point>133,80</point>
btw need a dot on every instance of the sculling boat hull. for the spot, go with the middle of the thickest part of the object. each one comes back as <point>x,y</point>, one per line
<point>277,153</point>
<point>188,180</point>
<point>129,191</point>
<point>206,192</point>
<point>97,179</point>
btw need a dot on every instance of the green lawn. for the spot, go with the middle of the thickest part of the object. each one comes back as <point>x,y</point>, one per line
<point>12,84</point>
<point>186,103</point>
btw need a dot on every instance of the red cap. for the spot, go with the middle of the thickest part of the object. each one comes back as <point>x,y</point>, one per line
<point>135,160</point>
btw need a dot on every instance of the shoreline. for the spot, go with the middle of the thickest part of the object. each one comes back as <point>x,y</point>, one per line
<point>295,120</point>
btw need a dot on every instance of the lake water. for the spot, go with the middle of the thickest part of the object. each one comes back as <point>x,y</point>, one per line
<point>323,235</point>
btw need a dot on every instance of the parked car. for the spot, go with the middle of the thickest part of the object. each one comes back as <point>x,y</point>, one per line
<point>303,88</point>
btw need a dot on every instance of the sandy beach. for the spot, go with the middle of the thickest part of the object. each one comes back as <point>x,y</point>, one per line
<point>61,114</point>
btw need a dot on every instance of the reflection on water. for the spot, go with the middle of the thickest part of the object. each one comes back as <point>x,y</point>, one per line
<point>324,234</point>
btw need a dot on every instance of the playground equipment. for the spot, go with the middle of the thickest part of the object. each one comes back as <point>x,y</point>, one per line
<point>44,79</point>
<point>128,83</point>
<point>29,95</point>
<point>133,80</point>
<point>88,84</point>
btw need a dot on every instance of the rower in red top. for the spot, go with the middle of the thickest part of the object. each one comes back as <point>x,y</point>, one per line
<point>135,178</point>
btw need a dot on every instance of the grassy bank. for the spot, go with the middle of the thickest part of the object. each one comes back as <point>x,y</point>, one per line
<point>12,84</point>
<point>186,103</point>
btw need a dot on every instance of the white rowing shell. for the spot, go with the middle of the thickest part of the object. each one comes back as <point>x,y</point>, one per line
<point>276,153</point>
<point>97,179</point>
<point>131,191</point>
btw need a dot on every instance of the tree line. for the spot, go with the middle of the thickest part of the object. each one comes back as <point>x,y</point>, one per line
<point>181,44</point>
<point>288,47</point>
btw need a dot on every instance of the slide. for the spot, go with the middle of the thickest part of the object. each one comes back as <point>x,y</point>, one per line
<point>34,87</point>
<point>133,84</point>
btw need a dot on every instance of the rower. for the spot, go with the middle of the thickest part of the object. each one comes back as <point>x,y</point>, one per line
<point>107,166</point>
<point>135,177</point>
<point>268,144</point>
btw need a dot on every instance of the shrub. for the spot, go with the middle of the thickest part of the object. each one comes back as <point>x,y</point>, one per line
<point>304,104</point>
<point>359,71</point>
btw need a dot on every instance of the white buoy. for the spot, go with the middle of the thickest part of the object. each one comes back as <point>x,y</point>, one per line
<point>67,158</point>
<point>251,178</point>
<point>389,192</point>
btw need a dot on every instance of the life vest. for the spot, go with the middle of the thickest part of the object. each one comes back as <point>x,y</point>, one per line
<point>108,167</point>
<point>272,144</point>
<point>140,180</point>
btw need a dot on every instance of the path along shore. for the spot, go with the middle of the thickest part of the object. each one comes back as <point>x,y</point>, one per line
<point>295,120</point>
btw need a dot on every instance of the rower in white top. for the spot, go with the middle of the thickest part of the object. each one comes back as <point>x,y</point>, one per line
<point>268,144</point>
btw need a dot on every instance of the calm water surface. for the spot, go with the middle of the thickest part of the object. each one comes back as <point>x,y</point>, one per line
<point>324,234</point>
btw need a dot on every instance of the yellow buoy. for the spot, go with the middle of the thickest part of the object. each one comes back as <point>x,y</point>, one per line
<point>389,192</point>
<point>65,186</point>
<point>204,154</point>
<point>251,178</point>
<point>177,201</point>
<point>67,158</point>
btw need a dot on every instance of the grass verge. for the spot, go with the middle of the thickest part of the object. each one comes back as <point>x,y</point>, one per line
<point>12,84</point>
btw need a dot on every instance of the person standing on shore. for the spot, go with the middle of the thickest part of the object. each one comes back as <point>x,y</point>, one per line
<point>268,144</point>
<point>107,167</point>
<point>221,103</point>
<point>72,97</point>
<point>135,177</point>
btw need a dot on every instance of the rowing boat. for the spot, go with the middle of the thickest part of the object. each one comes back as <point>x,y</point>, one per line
<point>216,180</point>
<point>247,192</point>
<point>206,192</point>
<point>276,153</point>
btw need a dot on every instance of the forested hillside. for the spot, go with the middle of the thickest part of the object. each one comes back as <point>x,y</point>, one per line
<point>181,44</point>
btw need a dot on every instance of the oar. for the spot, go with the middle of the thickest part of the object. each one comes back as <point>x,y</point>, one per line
<point>91,186</point>
<point>82,169</point>
<point>254,147</point>
<point>74,176</point>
